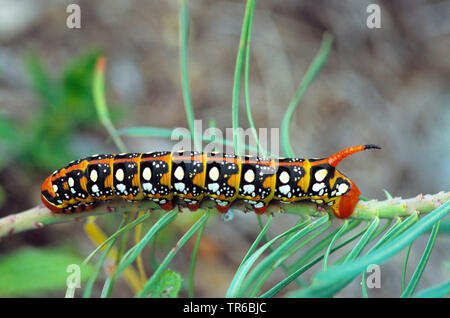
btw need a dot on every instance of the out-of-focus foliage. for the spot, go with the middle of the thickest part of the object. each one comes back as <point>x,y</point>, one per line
<point>43,140</point>
<point>66,106</point>
<point>31,271</point>
<point>168,285</point>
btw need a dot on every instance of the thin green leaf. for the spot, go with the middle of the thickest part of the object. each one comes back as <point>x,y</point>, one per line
<point>278,287</point>
<point>127,227</point>
<point>314,250</point>
<point>258,239</point>
<point>238,74</point>
<point>131,254</point>
<point>194,260</point>
<point>326,283</point>
<point>423,262</point>
<point>251,123</point>
<point>183,42</point>
<point>310,74</point>
<point>101,106</point>
<point>335,238</point>
<point>234,289</point>
<point>109,283</point>
<point>405,266</point>
<point>365,239</point>
<point>439,291</point>
<point>149,285</point>
<point>90,284</point>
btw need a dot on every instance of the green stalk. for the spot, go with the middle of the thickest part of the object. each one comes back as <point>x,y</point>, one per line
<point>326,283</point>
<point>238,75</point>
<point>405,266</point>
<point>278,287</point>
<point>194,260</point>
<point>266,263</point>
<point>132,253</point>
<point>335,238</point>
<point>422,263</point>
<point>154,278</point>
<point>127,227</point>
<point>88,289</point>
<point>246,83</point>
<point>310,74</point>
<point>183,39</point>
<point>101,106</point>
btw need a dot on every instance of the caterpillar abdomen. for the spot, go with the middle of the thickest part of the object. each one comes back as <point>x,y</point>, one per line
<point>194,176</point>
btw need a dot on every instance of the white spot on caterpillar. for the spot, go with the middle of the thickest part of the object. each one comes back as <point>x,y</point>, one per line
<point>179,186</point>
<point>249,176</point>
<point>120,175</point>
<point>222,203</point>
<point>213,187</point>
<point>179,173</point>
<point>249,188</point>
<point>214,174</point>
<point>285,189</point>
<point>284,177</point>
<point>94,175</point>
<point>259,205</point>
<point>147,186</point>
<point>321,174</point>
<point>342,188</point>
<point>317,186</point>
<point>147,174</point>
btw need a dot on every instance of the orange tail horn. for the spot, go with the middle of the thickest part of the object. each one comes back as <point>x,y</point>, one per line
<point>337,157</point>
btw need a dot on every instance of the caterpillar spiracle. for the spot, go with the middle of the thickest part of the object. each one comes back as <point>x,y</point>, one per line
<point>194,176</point>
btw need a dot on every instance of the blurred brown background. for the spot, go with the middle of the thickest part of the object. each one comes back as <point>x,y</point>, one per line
<point>387,86</point>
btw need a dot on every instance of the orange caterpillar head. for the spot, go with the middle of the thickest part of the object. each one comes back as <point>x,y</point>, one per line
<point>344,205</point>
<point>48,196</point>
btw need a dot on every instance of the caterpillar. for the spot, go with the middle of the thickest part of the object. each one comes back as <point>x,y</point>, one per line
<point>193,176</point>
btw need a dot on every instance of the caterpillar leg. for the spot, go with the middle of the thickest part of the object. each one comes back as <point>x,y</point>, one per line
<point>258,209</point>
<point>166,205</point>
<point>193,207</point>
<point>223,208</point>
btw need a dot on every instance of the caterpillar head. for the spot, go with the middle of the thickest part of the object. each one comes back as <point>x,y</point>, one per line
<point>344,205</point>
<point>49,196</point>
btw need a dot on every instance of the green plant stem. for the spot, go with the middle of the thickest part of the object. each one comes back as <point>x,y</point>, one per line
<point>90,284</point>
<point>405,266</point>
<point>194,260</point>
<point>38,217</point>
<point>286,281</point>
<point>100,103</point>
<point>238,74</point>
<point>261,151</point>
<point>326,283</point>
<point>335,238</point>
<point>309,76</point>
<point>183,39</point>
<point>153,279</point>
<point>409,290</point>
